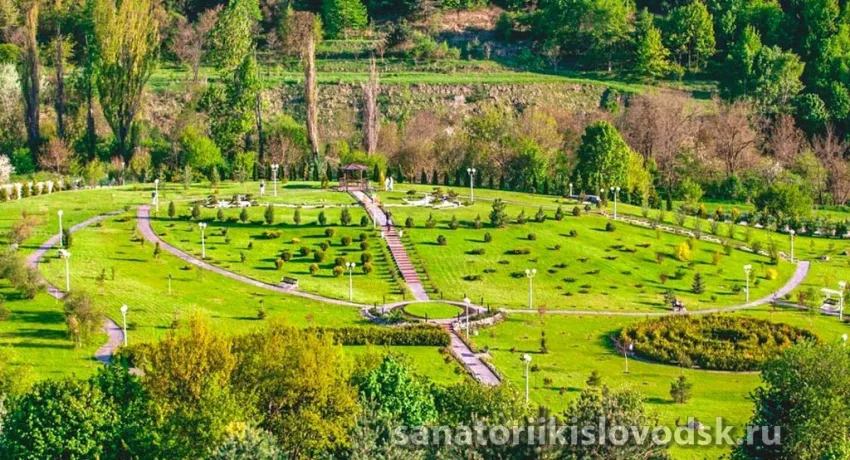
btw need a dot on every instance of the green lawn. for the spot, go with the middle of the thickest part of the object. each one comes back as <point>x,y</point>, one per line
<point>141,282</point>
<point>35,338</point>
<point>579,345</point>
<point>227,250</point>
<point>434,310</point>
<point>594,270</point>
<point>829,257</point>
<point>618,271</point>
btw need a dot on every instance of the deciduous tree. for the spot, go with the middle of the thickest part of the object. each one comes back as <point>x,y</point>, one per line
<point>127,35</point>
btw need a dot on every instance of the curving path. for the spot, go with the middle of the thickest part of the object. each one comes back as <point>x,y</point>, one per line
<point>144,225</point>
<point>796,279</point>
<point>113,331</point>
<point>464,354</point>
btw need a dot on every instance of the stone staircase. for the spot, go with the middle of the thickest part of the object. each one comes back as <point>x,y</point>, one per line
<point>405,266</point>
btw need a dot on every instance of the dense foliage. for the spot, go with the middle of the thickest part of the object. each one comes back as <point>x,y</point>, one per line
<point>418,335</point>
<point>720,342</point>
<point>804,393</point>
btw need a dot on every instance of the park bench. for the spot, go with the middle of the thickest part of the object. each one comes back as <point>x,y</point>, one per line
<point>289,282</point>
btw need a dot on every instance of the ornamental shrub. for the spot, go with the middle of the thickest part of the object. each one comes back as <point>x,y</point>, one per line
<point>683,252</point>
<point>719,342</point>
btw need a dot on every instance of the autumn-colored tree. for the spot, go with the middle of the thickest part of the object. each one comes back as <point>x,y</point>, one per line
<point>55,156</point>
<point>733,138</point>
<point>832,151</point>
<point>190,40</point>
<point>302,32</point>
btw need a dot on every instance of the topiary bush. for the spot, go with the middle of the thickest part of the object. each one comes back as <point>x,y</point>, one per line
<point>488,237</point>
<point>441,240</point>
<point>610,227</point>
<point>338,270</point>
<point>345,241</point>
<point>314,269</point>
<point>719,342</point>
<point>330,232</point>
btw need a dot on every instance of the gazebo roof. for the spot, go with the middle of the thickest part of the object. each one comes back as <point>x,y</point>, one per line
<point>355,167</point>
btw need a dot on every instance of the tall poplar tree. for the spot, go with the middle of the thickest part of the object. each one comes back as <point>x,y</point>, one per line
<point>127,36</point>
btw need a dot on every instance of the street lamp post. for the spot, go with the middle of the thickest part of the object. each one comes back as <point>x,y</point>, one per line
<point>156,194</point>
<point>350,266</point>
<point>467,302</point>
<point>61,236</point>
<point>844,339</point>
<point>842,286</point>
<point>471,172</point>
<point>275,167</point>
<point>530,273</point>
<point>747,269</point>
<point>124,316</point>
<point>626,351</point>
<point>792,244</point>
<point>203,226</point>
<point>169,284</point>
<point>67,256</point>
<point>616,191</point>
<point>571,189</point>
<point>526,358</point>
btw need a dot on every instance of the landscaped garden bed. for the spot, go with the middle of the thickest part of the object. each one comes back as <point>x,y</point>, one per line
<point>717,342</point>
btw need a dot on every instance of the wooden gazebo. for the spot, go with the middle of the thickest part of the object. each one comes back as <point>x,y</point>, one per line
<point>354,177</point>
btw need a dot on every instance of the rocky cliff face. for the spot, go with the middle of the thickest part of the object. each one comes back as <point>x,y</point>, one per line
<point>341,103</point>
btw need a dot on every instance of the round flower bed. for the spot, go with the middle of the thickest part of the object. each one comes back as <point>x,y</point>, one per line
<point>720,342</point>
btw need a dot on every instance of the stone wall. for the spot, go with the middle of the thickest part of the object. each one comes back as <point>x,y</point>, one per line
<point>340,104</point>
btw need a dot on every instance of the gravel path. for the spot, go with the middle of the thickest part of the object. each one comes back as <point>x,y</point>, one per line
<point>113,331</point>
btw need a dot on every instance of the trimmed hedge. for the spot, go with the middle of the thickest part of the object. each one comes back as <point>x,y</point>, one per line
<point>719,342</point>
<point>416,335</point>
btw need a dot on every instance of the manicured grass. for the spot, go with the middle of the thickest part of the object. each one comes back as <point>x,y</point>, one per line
<point>35,332</point>
<point>829,257</point>
<point>595,269</point>
<point>435,310</point>
<point>579,345</point>
<point>141,282</point>
<point>260,253</point>
<point>35,338</point>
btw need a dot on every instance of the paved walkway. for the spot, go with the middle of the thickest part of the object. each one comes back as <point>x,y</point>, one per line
<point>462,352</point>
<point>796,279</point>
<point>144,224</point>
<point>113,331</point>
<point>402,260</point>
